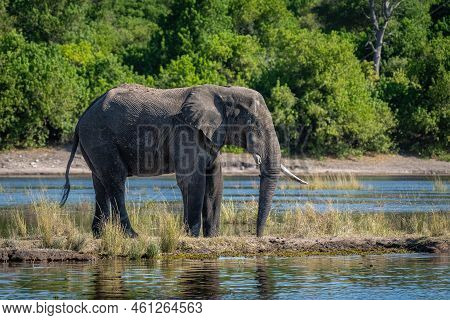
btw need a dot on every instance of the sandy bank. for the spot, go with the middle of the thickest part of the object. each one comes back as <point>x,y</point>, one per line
<point>210,248</point>
<point>52,161</point>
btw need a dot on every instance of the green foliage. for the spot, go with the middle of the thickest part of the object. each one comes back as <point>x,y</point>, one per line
<point>232,149</point>
<point>342,15</point>
<point>40,93</point>
<point>47,20</point>
<point>309,59</point>
<point>325,100</point>
<point>101,71</point>
<point>257,17</point>
<point>420,96</point>
<point>6,21</point>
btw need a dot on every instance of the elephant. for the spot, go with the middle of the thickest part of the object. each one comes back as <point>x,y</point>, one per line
<point>133,130</point>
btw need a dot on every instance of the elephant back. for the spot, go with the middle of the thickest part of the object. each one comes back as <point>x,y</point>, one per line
<point>140,99</point>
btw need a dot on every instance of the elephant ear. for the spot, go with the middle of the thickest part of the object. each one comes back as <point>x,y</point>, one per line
<point>202,110</point>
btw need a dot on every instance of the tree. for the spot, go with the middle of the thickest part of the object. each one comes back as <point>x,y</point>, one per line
<point>41,93</point>
<point>321,97</point>
<point>380,19</point>
<point>100,71</point>
<point>419,96</point>
<point>48,20</point>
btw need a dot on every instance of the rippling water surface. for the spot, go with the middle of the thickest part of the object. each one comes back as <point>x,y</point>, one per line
<point>398,276</point>
<point>377,194</point>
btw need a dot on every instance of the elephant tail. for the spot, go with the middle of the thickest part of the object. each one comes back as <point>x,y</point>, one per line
<point>69,163</point>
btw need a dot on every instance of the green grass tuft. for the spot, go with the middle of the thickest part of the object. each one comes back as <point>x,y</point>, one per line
<point>439,185</point>
<point>18,226</point>
<point>152,250</point>
<point>112,240</point>
<point>170,232</point>
<point>136,248</point>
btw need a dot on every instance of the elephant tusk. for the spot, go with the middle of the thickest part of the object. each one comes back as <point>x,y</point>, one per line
<point>257,158</point>
<point>287,172</point>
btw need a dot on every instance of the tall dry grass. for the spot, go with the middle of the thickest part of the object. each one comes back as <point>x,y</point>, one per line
<point>344,181</point>
<point>171,230</point>
<point>439,185</point>
<point>56,227</point>
<point>160,226</point>
<point>18,225</point>
<point>49,223</point>
<point>307,222</point>
<point>115,243</point>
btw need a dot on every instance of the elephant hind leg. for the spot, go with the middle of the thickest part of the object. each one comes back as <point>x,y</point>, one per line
<point>102,207</point>
<point>115,187</point>
<point>112,173</point>
<point>212,200</point>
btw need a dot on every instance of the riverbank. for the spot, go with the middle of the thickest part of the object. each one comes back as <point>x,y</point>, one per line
<point>211,248</point>
<point>52,161</point>
<point>46,232</point>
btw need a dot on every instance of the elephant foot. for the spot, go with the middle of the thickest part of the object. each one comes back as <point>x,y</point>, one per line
<point>97,232</point>
<point>193,233</point>
<point>130,233</point>
<point>210,233</point>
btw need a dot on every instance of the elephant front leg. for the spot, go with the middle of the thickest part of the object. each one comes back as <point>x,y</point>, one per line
<point>213,199</point>
<point>193,190</point>
<point>192,187</point>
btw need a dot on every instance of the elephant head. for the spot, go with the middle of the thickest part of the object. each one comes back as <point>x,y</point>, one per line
<point>240,117</point>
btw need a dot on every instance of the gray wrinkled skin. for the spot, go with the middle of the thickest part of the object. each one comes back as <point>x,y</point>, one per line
<point>133,130</point>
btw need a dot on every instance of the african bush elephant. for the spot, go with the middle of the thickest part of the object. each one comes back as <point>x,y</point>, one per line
<point>132,130</point>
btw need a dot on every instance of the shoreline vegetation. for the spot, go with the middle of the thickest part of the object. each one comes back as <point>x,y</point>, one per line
<point>309,59</point>
<point>46,232</point>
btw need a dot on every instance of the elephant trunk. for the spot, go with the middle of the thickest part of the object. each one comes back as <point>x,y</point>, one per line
<point>270,171</point>
<point>266,190</point>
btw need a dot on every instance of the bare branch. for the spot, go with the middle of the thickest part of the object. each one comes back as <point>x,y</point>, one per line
<point>373,14</point>
<point>395,5</point>
<point>370,44</point>
<point>385,9</point>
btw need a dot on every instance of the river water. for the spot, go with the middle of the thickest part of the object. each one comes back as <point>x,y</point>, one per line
<point>377,194</point>
<point>395,276</point>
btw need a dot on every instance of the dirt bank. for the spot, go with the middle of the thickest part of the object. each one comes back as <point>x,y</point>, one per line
<point>278,246</point>
<point>209,248</point>
<point>52,161</point>
<point>40,255</point>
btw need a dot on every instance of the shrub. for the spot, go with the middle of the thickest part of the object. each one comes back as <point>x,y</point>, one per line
<point>101,71</point>
<point>419,94</point>
<point>321,97</point>
<point>40,93</point>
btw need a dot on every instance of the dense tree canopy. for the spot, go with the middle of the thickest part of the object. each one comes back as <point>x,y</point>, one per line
<point>310,59</point>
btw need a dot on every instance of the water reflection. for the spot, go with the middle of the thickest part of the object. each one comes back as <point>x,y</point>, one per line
<point>409,276</point>
<point>266,283</point>
<point>108,281</point>
<point>200,281</point>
